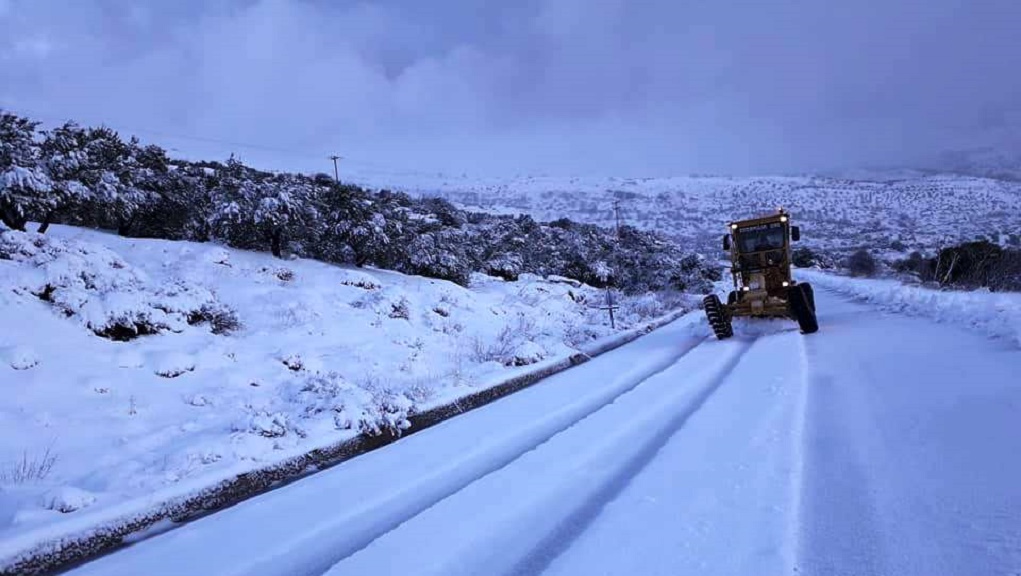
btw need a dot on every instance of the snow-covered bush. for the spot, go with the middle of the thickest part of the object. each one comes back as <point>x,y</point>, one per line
<point>263,423</point>
<point>19,357</point>
<point>400,309</point>
<point>222,319</point>
<point>368,407</point>
<point>512,345</point>
<point>67,499</point>
<point>862,263</point>
<point>636,309</point>
<point>174,364</point>
<point>803,257</point>
<point>28,467</point>
<point>96,287</point>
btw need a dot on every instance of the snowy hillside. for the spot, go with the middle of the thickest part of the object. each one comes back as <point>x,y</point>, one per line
<point>132,365</point>
<point>836,213</point>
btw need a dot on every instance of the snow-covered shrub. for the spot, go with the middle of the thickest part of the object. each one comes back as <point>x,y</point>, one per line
<point>95,286</point>
<point>512,346</point>
<point>293,362</point>
<point>578,333</point>
<point>20,357</point>
<point>174,364</point>
<point>505,265</point>
<point>421,390</point>
<point>644,306</point>
<point>67,499</point>
<point>263,423</point>
<point>222,319</point>
<point>528,352</point>
<point>400,309</point>
<point>803,257</point>
<point>636,309</point>
<point>368,407</point>
<point>284,274</point>
<point>978,264</point>
<point>388,413</point>
<point>862,263</point>
<point>28,468</point>
<point>363,283</point>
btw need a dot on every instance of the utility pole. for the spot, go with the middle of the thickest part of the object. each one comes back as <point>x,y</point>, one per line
<point>336,173</point>
<point>616,215</point>
<point>615,266</point>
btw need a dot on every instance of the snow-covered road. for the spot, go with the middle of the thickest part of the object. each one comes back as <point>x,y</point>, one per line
<point>881,445</point>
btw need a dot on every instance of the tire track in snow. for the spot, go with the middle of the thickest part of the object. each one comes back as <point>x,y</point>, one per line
<point>314,556</point>
<point>572,526</point>
<point>508,522</point>
<point>792,551</point>
<point>716,499</point>
<point>837,524</point>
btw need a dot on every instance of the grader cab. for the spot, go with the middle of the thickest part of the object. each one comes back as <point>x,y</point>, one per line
<point>760,264</point>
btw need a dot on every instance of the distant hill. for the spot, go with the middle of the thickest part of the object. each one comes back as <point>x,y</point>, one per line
<point>989,162</point>
<point>906,209</point>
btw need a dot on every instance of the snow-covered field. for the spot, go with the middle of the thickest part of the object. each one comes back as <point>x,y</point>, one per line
<point>873,209</point>
<point>133,366</point>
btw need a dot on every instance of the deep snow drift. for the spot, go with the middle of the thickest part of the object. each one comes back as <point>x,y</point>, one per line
<point>243,359</point>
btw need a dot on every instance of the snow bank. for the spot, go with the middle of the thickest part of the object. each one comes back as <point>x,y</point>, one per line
<point>995,314</point>
<point>158,367</point>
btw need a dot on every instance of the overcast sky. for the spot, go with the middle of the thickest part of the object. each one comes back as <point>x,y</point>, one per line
<point>646,87</point>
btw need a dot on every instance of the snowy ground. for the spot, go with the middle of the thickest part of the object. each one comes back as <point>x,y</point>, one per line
<point>256,359</point>
<point>881,445</point>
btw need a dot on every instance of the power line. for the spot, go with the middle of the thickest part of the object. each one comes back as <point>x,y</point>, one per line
<point>163,134</point>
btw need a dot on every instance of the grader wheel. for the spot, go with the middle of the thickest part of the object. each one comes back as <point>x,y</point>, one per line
<point>718,318</point>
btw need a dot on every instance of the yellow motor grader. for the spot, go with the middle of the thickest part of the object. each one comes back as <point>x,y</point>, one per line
<point>760,263</point>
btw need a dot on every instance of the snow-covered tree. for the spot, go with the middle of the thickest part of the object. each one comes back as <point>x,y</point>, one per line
<point>91,177</point>
<point>285,209</point>
<point>142,175</point>
<point>83,164</point>
<point>25,187</point>
<point>355,228</point>
<point>233,198</point>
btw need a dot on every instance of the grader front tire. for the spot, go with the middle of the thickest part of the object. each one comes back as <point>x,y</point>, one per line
<point>718,318</point>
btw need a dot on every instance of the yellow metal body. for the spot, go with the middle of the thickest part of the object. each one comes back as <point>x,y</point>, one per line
<point>762,271</point>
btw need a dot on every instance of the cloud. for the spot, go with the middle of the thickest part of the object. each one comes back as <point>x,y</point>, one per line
<point>652,87</point>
